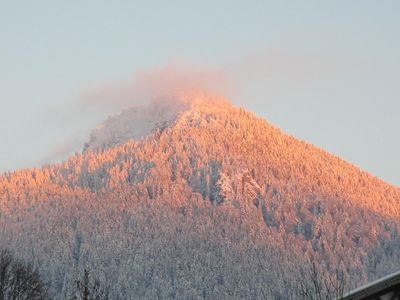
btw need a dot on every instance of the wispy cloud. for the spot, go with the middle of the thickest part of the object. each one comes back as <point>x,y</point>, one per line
<point>270,71</point>
<point>287,66</point>
<point>150,84</point>
<point>62,150</point>
<point>270,66</point>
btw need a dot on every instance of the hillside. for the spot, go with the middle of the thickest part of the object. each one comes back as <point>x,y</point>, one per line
<point>188,196</point>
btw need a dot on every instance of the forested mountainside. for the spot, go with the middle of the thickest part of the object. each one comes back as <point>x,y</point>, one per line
<point>196,198</point>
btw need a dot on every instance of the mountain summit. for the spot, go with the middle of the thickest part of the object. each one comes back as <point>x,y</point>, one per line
<point>191,197</point>
<point>139,122</point>
<point>237,140</point>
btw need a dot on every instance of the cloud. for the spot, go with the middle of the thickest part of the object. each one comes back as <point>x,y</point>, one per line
<point>151,84</point>
<point>94,104</point>
<point>266,74</point>
<point>289,65</point>
<point>61,150</point>
<point>273,68</point>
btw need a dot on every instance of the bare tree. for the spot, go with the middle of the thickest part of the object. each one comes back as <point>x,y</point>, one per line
<point>88,290</point>
<point>317,284</point>
<point>19,280</point>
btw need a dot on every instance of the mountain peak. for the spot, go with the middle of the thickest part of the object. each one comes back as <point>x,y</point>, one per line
<point>138,122</point>
<point>200,175</point>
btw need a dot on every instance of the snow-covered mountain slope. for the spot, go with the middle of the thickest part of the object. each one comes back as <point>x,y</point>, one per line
<point>139,122</point>
<point>135,123</point>
<point>193,179</point>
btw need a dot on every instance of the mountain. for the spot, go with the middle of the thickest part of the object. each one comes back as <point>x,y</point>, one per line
<point>191,197</point>
<point>136,123</point>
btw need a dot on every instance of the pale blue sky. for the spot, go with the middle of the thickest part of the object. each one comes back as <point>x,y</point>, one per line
<point>325,71</point>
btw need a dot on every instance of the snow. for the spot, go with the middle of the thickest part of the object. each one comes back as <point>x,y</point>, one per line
<point>139,122</point>
<point>136,123</point>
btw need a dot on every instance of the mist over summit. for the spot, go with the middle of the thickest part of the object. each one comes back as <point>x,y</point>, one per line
<point>139,121</point>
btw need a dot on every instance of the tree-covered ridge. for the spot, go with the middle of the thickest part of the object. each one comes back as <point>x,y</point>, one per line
<point>218,176</point>
<point>231,138</point>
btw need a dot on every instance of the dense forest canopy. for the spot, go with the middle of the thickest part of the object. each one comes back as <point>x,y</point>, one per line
<point>216,203</point>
